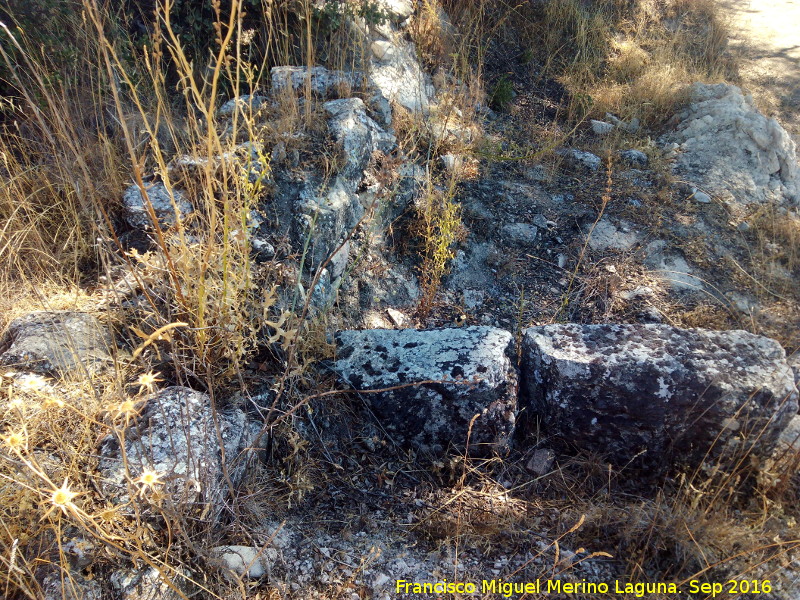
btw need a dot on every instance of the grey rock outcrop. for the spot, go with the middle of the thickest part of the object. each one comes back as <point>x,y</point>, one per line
<point>161,198</point>
<point>322,82</point>
<point>729,149</point>
<point>325,216</point>
<point>522,234</point>
<point>176,436</point>
<point>794,362</point>
<point>468,373</point>
<point>672,268</point>
<point>57,343</point>
<point>637,158</point>
<point>357,134</point>
<point>650,394</point>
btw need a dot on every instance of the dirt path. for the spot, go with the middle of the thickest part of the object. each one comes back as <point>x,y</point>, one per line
<point>766,36</point>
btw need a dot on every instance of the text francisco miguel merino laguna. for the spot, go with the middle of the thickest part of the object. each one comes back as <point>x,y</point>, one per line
<point>539,586</point>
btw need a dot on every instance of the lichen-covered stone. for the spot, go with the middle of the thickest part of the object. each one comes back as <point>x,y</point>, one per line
<point>176,436</point>
<point>161,198</point>
<point>57,343</point>
<point>322,82</point>
<point>469,373</point>
<point>670,394</point>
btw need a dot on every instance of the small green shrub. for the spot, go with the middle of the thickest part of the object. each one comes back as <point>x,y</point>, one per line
<point>502,94</point>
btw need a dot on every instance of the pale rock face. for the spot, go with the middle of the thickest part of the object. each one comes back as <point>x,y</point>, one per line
<point>161,198</point>
<point>175,435</point>
<point>57,343</point>
<point>357,134</point>
<point>398,77</point>
<point>729,149</point>
<point>673,394</point>
<point>57,586</point>
<point>398,10</point>
<point>432,416</point>
<point>601,128</point>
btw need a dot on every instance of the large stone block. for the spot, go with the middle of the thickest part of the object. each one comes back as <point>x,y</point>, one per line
<point>467,372</point>
<point>655,394</point>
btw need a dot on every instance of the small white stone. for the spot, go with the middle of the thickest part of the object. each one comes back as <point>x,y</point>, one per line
<point>247,561</point>
<point>700,196</point>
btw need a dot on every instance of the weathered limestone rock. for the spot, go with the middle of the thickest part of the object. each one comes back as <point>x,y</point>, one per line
<point>323,82</point>
<point>732,151</point>
<point>175,436</point>
<point>673,394</point>
<point>325,216</point>
<point>398,76</point>
<point>471,371</point>
<point>601,127</point>
<point>357,135</point>
<point>57,342</point>
<point>637,158</point>
<point>162,199</point>
<point>789,440</point>
<point>794,362</point>
<point>522,234</point>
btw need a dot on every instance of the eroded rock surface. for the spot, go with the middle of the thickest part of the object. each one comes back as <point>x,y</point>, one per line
<point>470,373</point>
<point>622,390</point>
<point>57,343</point>
<point>161,198</point>
<point>729,149</point>
<point>176,436</point>
<point>322,82</point>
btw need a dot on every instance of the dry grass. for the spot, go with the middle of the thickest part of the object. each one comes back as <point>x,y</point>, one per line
<point>633,59</point>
